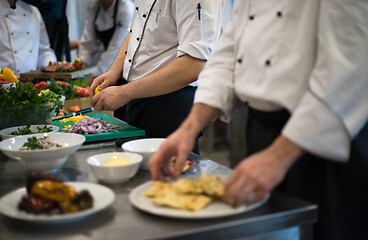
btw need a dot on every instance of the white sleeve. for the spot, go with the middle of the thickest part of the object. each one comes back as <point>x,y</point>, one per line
<point>335,109</point>
<point>198,29</point>
<point>124,17</point>
<point>215,82</point>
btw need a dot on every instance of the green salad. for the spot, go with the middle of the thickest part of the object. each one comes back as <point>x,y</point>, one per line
<point>27,130</point>
<point>24,96</point>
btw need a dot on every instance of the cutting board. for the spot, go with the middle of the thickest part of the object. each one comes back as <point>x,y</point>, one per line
<point>124,130</point>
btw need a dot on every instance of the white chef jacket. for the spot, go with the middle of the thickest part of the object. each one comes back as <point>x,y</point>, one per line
<point>163,30</point>
<point>310,57</point>
<point>24,43</point>
<point>90,49</point>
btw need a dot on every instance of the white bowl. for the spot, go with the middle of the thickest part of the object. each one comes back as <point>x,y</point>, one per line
<point>117,173</point>
<point>47,159</point>
<point>5,133</point>
<point>146,147</point>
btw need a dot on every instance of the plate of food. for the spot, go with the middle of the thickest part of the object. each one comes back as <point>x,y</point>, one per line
<point>195,197</point>
<point>26,130</point>
<point>45,199</point>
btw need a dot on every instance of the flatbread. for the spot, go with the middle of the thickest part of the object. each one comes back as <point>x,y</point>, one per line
<point>186,194</point>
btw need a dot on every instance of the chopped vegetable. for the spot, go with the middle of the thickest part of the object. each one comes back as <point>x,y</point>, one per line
<point>91,126</point>
<point>34,143</point>
<point>73,119</point>
<point>75,108</point>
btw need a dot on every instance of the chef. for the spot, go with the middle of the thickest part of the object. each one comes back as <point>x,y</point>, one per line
<point>24,44</point>
<point>106,24</point>
<point>301,67</point>
<point>160,59</point>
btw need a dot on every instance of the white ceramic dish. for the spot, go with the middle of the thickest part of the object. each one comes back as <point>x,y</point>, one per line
<point>146,147</point>
<point>47,159</point>
<point>114,174</point>
<point>102,198</point>
<point>5,133</point>
<point>215,209</point>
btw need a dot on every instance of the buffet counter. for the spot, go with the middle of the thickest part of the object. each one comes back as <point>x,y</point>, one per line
<point>281,216</point>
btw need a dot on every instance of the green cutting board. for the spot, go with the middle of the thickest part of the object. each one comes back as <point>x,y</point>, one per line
<point>124,130</point>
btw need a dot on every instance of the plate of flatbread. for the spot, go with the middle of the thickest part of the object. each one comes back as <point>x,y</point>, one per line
<point>190,197</point>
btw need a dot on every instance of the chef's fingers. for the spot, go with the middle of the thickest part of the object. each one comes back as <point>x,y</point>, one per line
<point>96,102</point>
<point>259,195</point>
<point>245,195</point>
<point>233,186</point>
<point>166,169</point>
<point>179,162</point>
<point>157,162</point>
<point>97,81</point>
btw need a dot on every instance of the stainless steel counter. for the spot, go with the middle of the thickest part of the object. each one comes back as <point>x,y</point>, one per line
<point>282,215</point>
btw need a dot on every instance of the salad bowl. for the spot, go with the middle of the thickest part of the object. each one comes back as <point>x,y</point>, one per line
<point>26,130</point>
<point>44,160</point>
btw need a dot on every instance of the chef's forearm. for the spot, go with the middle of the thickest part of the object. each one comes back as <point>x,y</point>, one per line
<point>178,74</point>
<point>199,117</point>
<point>117,65</point>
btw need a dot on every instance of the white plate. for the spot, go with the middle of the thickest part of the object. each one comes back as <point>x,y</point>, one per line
<point>5,133</point>
<point>102,198</point>
<point>215,209</point>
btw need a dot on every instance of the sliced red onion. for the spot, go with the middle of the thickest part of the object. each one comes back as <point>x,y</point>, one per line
<point>91,126</point>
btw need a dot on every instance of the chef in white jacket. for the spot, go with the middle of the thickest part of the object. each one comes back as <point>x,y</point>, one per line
<point>105,27</point>
<point>24,44</point>
<point>168,45</point>
<point>302,67</point>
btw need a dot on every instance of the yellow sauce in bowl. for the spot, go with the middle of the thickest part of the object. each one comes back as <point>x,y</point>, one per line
<point>115,161</point>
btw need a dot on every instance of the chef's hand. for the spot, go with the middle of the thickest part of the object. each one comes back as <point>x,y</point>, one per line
<point>111,98</point>
<point>178,145</point>
<point>104,80</point>
<point>258,174</point>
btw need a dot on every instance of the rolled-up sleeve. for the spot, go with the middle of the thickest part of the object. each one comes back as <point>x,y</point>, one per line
<point>215,83</point>
<point>199,26</point>
<point>335,108</point>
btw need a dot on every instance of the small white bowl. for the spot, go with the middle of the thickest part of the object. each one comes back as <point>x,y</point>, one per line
<point>146,147</point>
<point>118,173</point>
<point>5,133</point>
<point>44,160</point>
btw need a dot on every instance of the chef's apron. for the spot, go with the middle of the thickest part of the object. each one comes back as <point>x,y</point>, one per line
<point>161,115</point>
<point>106,35</point>
<point>339,189</point>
